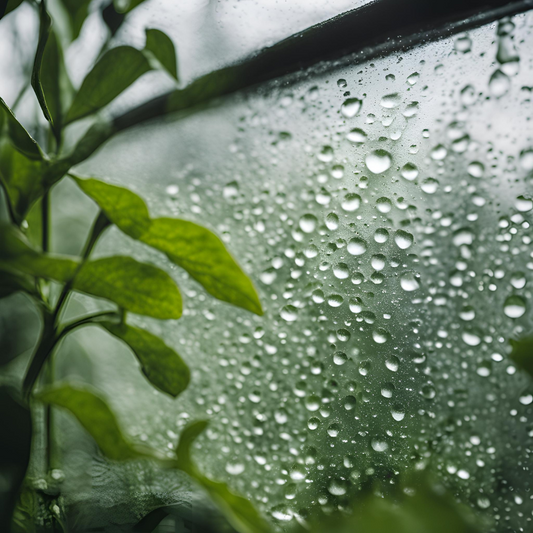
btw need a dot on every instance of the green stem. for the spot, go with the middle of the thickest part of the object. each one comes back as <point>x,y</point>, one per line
<point>100,224</point>
<point>45,219</point>
<point>51,335</point>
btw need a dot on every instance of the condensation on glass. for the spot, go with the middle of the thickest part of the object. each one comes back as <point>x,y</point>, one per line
<point>384,210</point>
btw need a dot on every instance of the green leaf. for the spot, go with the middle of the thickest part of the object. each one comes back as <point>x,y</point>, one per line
<point>239,511</point>
<point>15,447</point>
<point>18,135</point>
<point>115,71</point>
<point>11,283</point>
<point>55,82</point>
<point>22,178</point>
<point>17,255</point>
<point>44,29</point>
<point>522,353</point>
<point>160,45</point>
<point>134,286</point>
<point>161,365</point>
<point>7,7</point>
<point>429,510</point>
<point>196,249</point>
<point>77,11</point>
<point>203,255</point>
<point>96,417</point>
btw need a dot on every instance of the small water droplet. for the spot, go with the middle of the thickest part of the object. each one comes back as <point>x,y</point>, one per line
<point>499,84</point>
<point>351,202</point>
<point>409,171</point>
<point>403,239</point>
<point>289,313</point>
<point>356,136</point>
<point>308,223</point>
<point>389,101</point>
<point>409,282</point>
<point>351,107</point>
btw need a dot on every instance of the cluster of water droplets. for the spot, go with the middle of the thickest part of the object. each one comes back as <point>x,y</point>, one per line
<point>385,212</point>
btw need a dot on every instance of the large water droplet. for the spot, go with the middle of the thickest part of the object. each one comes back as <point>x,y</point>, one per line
<point>403,239</point>
<point>514,306</point>
<point>351,107</point>
<point>390,101</point>
<point>356,136</point>
<point>356,246</point>
<point>499,84</point>
<point>378,161</point>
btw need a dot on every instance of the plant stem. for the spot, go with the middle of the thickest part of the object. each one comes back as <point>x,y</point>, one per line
<point>100,224</point>
<point>45,219</point>
<point>50,336</point>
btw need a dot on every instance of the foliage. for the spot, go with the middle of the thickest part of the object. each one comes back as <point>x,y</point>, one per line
<point>27,174</point>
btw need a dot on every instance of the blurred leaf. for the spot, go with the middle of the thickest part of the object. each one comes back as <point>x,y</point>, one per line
<point>429,510</point>
<point>522,353</point>
<point>77,11</point>
<point>159,44</point>
<point>26,510</point>
<point>134,286</point>
<point>15,446</point>
<point>11,283</point>
<point>96,417</point>
<point>7,7</point>
<point>125,6</point>
<point>22,178</point>
<point>55,82</point>
<point>239,511</point>
<point>161,365</point>
<point>196,249</point>
<point>114,72</point>
<point>18,135</point>
<point>112,18</point>
<point>16,254</point>
<point>44,30</point>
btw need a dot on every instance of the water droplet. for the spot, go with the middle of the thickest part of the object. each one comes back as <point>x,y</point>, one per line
<point>339,358</point>
<point>268,276</point>
<point>378,161</point>
<point>526,159</point>
<point>351,202</point>
<point>380,336</point>
<point>281,512</point>
<point>381,236</point>
<point>289,313</point>
<point>378,262</point>
<point>471,338</point>
<point>335,300</point>
<point>439,152</point>
<point>356,246</point>
<point>313,423</point>
<point>307,223</point>
<point>392,363</point>
<point>351,107</point>
<point>379,445</point>
<point>326,154</point>
<point>332,221</point>
<point>468,95</point>
<point>384,205</point>
<point>463,44</point>
<point>409,282</point>
<point>231,190</point>
<point>338,487</point>
<point>341,83</point>
<point>398,412</point>
<point>298,473</point>
<point>476,169</point>
<point>499,83</point>
<point>312,403</point>
<point>340,271</point>
<point>430,185</point>
<point>172,190</point>
<point>514,306</point>
<point>523,204</point>
<point>413,78</point>
<point>390,101</point>
<point>356,136</point>
<point>518,280</point>
<point>403,239</point>
<point>333,430</point>
<point>234,469</point>
<point>409,171</point>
